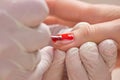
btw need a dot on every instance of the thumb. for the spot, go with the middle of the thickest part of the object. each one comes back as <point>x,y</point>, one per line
<point>84,32</point>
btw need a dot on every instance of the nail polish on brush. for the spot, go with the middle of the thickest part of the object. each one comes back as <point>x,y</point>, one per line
<point>63,37</point>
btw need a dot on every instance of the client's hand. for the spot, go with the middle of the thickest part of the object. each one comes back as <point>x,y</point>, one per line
<point>104,20</point>
<point>92,58</point>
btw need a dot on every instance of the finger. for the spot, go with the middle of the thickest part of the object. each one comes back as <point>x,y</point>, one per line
<point>93,62</point>
<point>95,33</point>
<point>108,50</point>
<point>75,68</point>
<point>79,36</point>
<point>77,11</point>
<point>54,20</point>
<point>45,57</point>
<point>57,67</point>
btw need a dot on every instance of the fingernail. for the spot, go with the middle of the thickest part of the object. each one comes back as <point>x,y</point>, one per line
<point>67,37</point>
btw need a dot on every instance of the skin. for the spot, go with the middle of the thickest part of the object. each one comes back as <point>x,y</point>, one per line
<point>59,57</point>
<point>70,12</point>
<point>104,21</point>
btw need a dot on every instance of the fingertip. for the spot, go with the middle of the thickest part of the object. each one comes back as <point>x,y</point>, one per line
<point>108,50</point>
<point>72,55</point>
<point>51,20</point>
<point>80,35</point>
<point>107,46</point>
<point>75,68</point>
<point>93,62</point>
<point>65,44</point>
<point>88,47</point>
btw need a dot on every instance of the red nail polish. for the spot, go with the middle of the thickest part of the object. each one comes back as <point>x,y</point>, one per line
<point>60,37</point>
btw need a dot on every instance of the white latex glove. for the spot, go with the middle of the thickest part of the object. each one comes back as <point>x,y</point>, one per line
<point>30,40</point>
<point>56,70</point>
<point>18,43</point>
<point>91,62</point>
<point>18,61</point>
<point>17,64</point>
<point>29,12</point>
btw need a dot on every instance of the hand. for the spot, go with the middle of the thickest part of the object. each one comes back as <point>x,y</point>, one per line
<point>15,63</point>
<point>28,12</point>
<point>108,56</point>
<point>30,39</point>
<point>91,62</point>
<point>19,43</point>
<point>103,21</point>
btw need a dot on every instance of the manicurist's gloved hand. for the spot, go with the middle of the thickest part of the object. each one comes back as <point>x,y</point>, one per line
<point>29,39</point>
<point>16,16</point>
<point>15,63</point>
<point>91,62</point>
<point>19,55</point>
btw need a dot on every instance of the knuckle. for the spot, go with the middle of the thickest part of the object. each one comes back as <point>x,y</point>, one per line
<point>88,31</point>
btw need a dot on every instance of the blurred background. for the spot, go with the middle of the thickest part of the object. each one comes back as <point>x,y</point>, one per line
<point>116,2</point>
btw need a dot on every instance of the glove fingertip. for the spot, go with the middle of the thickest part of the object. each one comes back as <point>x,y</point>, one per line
<point>108,50</point>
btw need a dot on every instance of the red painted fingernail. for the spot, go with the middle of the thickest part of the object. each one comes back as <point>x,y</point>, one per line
<point>61,37</point>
